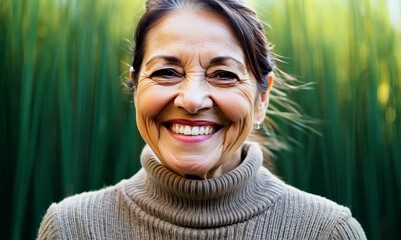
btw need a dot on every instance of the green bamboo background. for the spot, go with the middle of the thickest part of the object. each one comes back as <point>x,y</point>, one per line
<point>67,125</point>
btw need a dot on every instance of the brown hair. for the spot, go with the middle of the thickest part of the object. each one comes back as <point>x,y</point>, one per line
<point>246,25</point>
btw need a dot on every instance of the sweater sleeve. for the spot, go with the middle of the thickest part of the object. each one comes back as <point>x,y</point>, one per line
<point>348,228</point>
<point>48,228</point>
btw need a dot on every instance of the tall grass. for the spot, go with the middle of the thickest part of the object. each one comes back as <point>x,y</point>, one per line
<point>67,126</point>
<point>351,50</point>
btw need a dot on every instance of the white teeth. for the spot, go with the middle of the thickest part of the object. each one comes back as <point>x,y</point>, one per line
<point>195,131</point>
<point>192,131</point>
<point>187,130</point>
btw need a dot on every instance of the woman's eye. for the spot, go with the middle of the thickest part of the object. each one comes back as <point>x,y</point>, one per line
<point>166,74</point>
<point>225,76</point>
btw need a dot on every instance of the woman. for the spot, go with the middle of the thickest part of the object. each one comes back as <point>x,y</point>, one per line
<point>201,78</point>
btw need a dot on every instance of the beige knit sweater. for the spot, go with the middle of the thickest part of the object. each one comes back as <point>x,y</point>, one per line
<point>246,203</point>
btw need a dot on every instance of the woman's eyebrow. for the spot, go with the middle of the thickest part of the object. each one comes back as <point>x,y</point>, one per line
<point>170,59</point>
<point>224,60</point>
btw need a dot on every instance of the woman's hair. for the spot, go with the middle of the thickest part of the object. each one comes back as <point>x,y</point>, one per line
<point>250,32</point>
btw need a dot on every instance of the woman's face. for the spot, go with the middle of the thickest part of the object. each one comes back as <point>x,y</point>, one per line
<point>196,98</point>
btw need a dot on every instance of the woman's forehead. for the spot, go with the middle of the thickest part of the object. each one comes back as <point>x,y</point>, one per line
<point>193,22</point>
<point>192,31</point>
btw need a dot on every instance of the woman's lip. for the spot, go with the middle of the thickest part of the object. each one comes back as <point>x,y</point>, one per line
<point>190,139</point>
<point>190,122</point>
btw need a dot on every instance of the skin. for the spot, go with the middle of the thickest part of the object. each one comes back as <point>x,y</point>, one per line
<point>194,73</point>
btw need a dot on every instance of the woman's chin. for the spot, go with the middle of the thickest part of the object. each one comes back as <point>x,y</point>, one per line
<point>191,167</point>
<point>202,166</point>
<point>202,156</point>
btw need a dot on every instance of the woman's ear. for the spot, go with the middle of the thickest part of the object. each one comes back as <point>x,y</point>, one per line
<point>263,100</point>
<point>270,79</point>
<point>135,98</point>
<point>261,106</point>
<point>131,79</point>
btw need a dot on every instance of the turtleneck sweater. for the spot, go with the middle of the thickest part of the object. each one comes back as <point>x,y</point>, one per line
<point>246,203</point>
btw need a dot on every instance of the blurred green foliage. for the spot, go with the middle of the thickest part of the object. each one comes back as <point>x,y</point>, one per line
<point>67,125</point>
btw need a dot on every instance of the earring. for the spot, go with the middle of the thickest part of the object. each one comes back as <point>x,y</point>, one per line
<point>131,73</point>
<point>257,125</point>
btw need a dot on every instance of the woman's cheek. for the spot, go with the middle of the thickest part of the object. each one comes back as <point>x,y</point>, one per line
<point>152,99</point>
<point>237,105</point>
<point>147,107</point>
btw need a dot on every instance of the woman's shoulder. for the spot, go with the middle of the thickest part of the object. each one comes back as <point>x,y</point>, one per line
<point>75,212</point>
<point>96,198</point>
<point>297,199</point>
<point>310,201</point>
<point>318,213</point>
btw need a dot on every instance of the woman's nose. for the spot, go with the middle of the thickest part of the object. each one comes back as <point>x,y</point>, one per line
<point>193,96</point>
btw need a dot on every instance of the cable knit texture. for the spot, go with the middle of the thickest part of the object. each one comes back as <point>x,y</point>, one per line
<point>245,203</point>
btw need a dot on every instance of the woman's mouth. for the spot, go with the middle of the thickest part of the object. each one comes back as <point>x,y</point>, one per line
<point>192,130</point>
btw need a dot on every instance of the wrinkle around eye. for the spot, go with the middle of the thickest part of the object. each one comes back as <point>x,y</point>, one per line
<point>234,80</point>
<point>166,73</point>
<point>166,76</point>
<point>144,74</point>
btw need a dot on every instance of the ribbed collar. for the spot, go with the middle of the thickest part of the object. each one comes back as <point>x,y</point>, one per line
<point>233,197</point>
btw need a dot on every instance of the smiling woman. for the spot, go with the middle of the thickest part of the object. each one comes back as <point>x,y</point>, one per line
<point>188,82</point>
<point>201,76</point>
